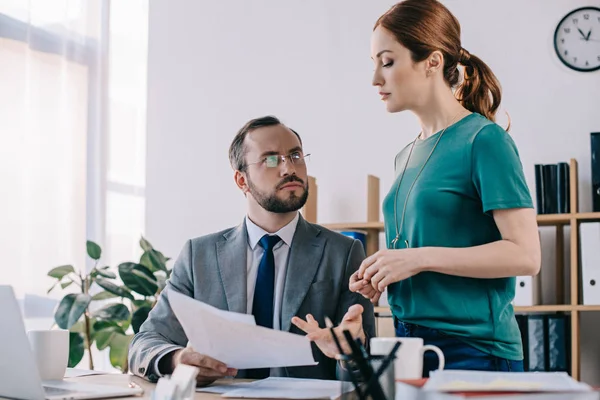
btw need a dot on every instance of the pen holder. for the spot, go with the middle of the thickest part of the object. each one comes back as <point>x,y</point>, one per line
<point>383,384</point>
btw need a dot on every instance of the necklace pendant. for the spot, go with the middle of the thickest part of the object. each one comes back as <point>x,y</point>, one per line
<point>394,241</point>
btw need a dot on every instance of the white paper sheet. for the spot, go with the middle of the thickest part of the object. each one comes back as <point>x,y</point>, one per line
<point>236,343</point>
<point>465,381</point>
<point>221,389</point>
<point>292,388</point>
<point>228,315</point>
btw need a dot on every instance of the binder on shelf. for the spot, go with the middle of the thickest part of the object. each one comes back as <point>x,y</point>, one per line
<point>590,262</point>
<point>357,234</point>
<point>552,188</point>
<point>563,188</point>
<point>533,336</point>
<point>558,341</point>
<point>546,342</point>
<point>528,291</point>
<point>550,184</point>
<point>539,189</point>
<point>595,156</point>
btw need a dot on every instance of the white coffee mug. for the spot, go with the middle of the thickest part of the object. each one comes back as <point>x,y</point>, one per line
<point>409,357</point>
<point>51,352</point>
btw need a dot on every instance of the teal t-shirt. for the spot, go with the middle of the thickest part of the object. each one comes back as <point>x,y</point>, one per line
<point>474,170</point>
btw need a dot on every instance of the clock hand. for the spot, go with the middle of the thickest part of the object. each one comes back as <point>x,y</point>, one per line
<point>592,40</point>
<point>582,34</point>
<point>588,35</point>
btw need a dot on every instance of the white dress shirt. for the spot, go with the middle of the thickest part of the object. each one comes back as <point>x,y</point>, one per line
<point>281,252</point>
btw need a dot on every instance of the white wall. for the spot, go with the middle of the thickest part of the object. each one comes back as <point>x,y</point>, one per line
<point>215,64</point>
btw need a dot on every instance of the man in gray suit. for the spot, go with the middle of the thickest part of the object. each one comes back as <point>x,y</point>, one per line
<point>274,265</point>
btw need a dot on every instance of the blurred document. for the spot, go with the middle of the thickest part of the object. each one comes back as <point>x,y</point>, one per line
<point>235,339</point>
<point>291,388</point>
<point>487,381</point>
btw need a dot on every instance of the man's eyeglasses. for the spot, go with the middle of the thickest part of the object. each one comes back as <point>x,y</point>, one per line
<point>275,160</point>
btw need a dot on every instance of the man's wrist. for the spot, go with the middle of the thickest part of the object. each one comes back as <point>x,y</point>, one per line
<point>167,363</point>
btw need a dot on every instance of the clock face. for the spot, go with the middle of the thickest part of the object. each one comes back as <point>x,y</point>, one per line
<point>577,39</point>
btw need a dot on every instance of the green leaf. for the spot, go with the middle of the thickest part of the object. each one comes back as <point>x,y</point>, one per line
<point>70,309</point>
<point>119,347</point>
<point>76,348</point>
<point>105,332</point>
<point>65,285</point>
<point>142,303</point>
<point>102,325</point>
<point>104,295</point>
<point>114,289</point>
<point>106,273</point>
<point>113,312</point>
<point>93,250</point>
<point>154,260</point>
<point>138,278</point>
<point>60,272</point>
<point>145,245</point>
<point>138,318</point>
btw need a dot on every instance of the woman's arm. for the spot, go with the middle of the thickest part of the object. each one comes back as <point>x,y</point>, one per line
<point>517,254</point>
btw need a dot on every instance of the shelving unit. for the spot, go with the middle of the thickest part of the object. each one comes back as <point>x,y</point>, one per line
<point>373,226</point>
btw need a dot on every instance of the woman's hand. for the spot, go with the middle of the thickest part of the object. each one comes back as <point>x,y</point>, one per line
<point>388,266</point>
<point>364,287</point>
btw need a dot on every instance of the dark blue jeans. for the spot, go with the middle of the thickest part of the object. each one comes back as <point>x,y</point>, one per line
<point>458,354</point>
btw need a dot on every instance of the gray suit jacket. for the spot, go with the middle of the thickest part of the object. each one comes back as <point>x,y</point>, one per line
<point>212,269</point>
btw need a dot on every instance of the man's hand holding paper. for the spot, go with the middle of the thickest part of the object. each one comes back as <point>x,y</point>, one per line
<point>235,340</point>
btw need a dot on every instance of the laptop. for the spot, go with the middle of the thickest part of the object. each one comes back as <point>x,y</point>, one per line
<point>19,376</point>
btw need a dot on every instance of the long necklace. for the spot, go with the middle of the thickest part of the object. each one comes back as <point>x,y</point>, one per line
<point>399,229</point>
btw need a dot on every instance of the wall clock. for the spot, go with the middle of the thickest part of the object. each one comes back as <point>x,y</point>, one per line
<point>577,39</point>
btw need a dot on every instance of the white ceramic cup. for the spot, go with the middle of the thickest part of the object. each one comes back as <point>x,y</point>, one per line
<point>51,352</point>
<point>409,357</point>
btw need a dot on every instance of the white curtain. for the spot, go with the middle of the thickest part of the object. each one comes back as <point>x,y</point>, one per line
<point>50,107</point>
<point>72,140</point>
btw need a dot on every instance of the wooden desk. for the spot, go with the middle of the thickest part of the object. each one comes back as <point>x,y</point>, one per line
<point>123,380</point>
<point>406,392</point>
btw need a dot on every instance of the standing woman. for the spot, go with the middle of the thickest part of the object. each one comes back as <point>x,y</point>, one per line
<point>459,218</point>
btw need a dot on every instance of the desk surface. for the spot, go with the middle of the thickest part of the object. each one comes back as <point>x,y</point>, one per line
<point>406,392</point>
<point>123,380</point>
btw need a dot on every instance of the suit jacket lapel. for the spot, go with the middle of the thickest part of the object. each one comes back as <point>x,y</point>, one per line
<point>304,259</point>
<point>232,254</point>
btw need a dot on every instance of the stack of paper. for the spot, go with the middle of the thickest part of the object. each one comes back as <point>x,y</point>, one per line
<point>485,381</point>
<point>283,388</point>
<point>235,339</point>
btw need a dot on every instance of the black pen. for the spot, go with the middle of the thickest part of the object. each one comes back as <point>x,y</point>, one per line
<point>386,362</point>
<point>329,324</point>
<point>364,366</point>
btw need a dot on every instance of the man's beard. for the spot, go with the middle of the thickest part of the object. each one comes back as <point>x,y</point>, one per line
<point>270,201</point>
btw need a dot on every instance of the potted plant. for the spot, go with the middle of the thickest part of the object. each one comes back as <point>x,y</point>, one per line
<point>111,324</point>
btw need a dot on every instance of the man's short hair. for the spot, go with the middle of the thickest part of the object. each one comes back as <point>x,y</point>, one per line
<point>237,150</point>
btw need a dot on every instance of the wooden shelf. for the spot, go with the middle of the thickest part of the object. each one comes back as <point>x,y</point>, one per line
<point>355,226</point>
<point>553,219</point>
<point>588,217</point>
<point>522,309</point>
<point>542,219</point>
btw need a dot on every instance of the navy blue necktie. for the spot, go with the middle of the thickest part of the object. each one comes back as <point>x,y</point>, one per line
<point>262,306</point>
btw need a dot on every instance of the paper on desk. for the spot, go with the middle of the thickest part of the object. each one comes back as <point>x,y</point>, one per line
<point>292,388</point>
<point>235,342</point>
<point>221,389</point>
<point>487,381</point>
